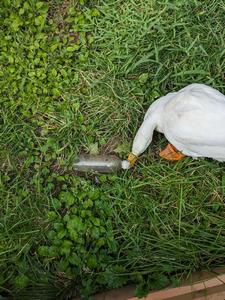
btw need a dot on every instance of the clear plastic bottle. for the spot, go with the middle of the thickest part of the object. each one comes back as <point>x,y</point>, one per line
<point>97,163</point>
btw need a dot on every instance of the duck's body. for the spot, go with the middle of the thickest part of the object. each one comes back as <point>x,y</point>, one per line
<point>192,120</point>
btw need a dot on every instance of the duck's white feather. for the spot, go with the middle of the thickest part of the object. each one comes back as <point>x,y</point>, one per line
<point>192,119</point>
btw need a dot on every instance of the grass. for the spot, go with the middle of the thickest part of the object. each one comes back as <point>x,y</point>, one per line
<point>163,219</point>
<point>164,41</point>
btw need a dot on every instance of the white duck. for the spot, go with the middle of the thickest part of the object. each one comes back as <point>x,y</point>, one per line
<point>192,120</point>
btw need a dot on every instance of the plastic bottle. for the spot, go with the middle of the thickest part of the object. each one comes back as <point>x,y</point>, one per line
<point>97,163</point>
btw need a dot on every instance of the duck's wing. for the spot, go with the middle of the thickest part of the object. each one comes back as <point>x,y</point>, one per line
<point>197,117</point>
<point>197,128</point>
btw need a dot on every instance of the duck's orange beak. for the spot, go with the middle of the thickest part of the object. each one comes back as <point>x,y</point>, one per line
<point>132,159</point>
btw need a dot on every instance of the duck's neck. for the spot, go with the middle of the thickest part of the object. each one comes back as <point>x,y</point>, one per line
<point>157,108</point>
<point>151,122</point>
<point>144,135</point>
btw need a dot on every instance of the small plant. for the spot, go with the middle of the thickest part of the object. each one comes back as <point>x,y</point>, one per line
<point>44,44</point>
<point>80,239</point>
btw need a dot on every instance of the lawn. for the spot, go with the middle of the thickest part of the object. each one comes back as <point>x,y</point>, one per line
<point>77,76</point>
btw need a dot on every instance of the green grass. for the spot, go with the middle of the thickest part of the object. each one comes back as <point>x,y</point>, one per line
<point>158,221</point>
